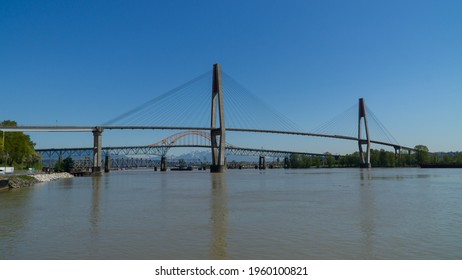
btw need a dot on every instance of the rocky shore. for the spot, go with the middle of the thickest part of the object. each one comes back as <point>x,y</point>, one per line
<point>24,181</point>
<point>52,176</point>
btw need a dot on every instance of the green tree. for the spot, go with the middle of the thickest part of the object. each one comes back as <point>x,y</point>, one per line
<point>317,162</point>
<point>391,159</point>
<point>295,160</point>
<point>383,160</point>
<point>407,159</point>
<point>329,160</point>
<point>458,157</point>
<point>306,162</point>
<point>68,164</point>
<point>18,149</point>
<point>422,154</point>
<point>59,165</point>
<point>351,160</point>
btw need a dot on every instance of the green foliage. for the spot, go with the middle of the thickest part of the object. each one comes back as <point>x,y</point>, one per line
<point>26,178</point>
<point>295,161</point>
<point>317,162</point>
<point>458,157</point>
<point>379,158</point>
<point>65,165</point>
<point>18,149</point>
<point>303,161</point>
<point>68,164</point>
<point>451,157</point>
<point>59,165</point>
<point>422,155</point>
<point>349,160</point>
<point>382,158</point>
<point>329,160</point>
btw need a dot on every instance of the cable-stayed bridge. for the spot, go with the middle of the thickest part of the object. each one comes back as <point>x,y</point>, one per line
<point>199,110</point>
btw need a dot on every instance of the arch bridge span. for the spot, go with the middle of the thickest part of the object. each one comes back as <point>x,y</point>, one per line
<point>185,139</point>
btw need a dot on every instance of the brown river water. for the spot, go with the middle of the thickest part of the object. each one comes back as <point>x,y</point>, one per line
<point>243,214</point>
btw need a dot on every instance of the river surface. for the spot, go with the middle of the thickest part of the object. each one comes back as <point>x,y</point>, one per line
<point>243,214</point>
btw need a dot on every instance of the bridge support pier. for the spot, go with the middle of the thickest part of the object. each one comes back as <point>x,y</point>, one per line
<point>262,163</point>
<point>286,163</point>
<point>107,164</point>
<point>163,163</point>
<point>97,151</point>
<point>218,134</point>
<point>398,155</point>
<point>364,157</point>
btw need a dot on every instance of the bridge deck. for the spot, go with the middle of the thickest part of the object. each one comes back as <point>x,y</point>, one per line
<point>92,128</point>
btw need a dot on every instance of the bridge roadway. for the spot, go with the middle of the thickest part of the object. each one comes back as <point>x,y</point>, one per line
<point>159,150</point>
<point>92,128</point>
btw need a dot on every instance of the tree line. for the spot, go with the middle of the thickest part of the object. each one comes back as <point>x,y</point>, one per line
<point>379,158</point>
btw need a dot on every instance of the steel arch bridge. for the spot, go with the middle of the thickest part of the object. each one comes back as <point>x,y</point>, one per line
<point>185,139</point>
<point>189,138</point>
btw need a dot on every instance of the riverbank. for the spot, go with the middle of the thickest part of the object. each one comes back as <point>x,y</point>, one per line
<point>52,176</point>
<point>24,181</point>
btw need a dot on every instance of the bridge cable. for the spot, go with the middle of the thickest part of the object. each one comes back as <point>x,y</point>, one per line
<point>143,113</point>
<point>252,112</point>
<point>344,124</point>
<point>381,128</point>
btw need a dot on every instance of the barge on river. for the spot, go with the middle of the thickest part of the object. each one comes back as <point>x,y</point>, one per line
<point>441,165</point>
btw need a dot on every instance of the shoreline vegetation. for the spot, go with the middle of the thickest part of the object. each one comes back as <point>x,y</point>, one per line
<point>24,181</point>
<point>380,158</point>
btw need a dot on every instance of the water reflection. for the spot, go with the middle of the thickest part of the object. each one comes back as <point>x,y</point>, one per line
<point>14,217</point>
<point>95,203</point>
<point>67,183</point>
<point>219,217</point>
<point>343,214</point>
<point>368,213</point>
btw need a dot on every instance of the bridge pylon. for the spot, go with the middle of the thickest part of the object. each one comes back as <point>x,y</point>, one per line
<point>364,157</point>
<point>163,163</point>
<point>97,150</point>
<point>286,163</point>
<point>107,164</point>
<point>218,131</point>
<point>262,162</point>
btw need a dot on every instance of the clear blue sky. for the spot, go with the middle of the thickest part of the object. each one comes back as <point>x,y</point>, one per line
<point>85,62</point>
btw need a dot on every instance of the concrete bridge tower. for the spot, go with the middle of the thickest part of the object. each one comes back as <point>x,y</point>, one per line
<point>218,131</point>
<point>97,150</point>
<point>364,158</point>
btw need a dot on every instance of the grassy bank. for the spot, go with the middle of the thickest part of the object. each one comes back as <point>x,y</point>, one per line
<point>20,181</point>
